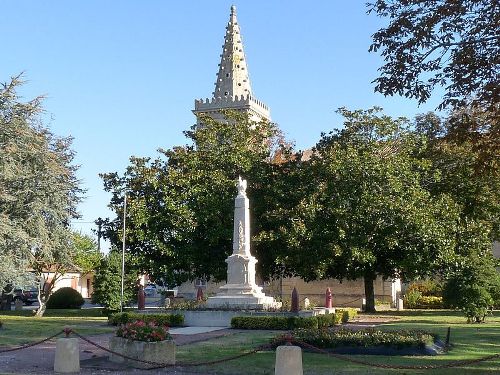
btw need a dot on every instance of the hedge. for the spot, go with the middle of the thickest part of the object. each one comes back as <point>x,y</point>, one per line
<point>171,320</point>
<point>293,322</point>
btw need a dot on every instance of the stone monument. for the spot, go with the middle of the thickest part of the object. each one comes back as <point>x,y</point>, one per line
<point>241,291</point>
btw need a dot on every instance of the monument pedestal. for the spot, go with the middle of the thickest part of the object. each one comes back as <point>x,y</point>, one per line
<point>241,291</point>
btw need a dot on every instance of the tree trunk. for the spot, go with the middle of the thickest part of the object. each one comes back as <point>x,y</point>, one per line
<point>369,292</point>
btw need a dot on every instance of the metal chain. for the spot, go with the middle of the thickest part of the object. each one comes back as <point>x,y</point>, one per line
<point>31,344</point>
<point>395,367</point>
<point>158,365</point>
<point>347,303</point>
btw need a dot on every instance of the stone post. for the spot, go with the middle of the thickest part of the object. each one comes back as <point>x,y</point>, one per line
<point>199,294</point>
<point>295,301</point>
<point>67,358</point>
<point>288,360</point>
<point>141,298</point>
<point>328,298</point>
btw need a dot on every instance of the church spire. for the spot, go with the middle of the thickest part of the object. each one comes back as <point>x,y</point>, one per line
<point>232,88</point>
<point>232,78</point>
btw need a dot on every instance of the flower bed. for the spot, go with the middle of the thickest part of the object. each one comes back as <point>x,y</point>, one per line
<point>144,331</point>
<point>171,320</point>
<point>329,339</point>
<point>146,341</point>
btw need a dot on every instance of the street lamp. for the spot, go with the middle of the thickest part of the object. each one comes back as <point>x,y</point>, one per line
<point>123,249</point>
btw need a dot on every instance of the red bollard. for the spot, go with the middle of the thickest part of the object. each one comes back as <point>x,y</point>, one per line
<point>295,300</point>
<point>328,298</point>
<point>199,294</point>
<point>141,298</point>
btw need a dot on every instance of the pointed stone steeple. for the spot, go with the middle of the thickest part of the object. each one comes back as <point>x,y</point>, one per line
<point>232,87</point>
<point>232,79</point>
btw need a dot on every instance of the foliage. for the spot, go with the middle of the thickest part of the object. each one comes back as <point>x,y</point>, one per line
<point>108,282</point>
<point>455,44</point>
<point>427,287</point>
<point>142,331</point>
<point>368,213</point>
<point>171,320</point>
<point>348,313</point>
<point>281,322</point>
<point>411,298</point>
<point>87,257</point>
<point>180,205</point>
<point>65,298</point>
<point>474,287</point>
<point>273,322</point>
<point>326,339</point>
<point>38,196</point>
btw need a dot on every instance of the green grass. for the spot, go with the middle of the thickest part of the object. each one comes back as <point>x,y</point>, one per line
<point>469,341</point>
<point>21,327</point>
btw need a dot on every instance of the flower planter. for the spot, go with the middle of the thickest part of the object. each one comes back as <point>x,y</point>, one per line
<point>159,352</point>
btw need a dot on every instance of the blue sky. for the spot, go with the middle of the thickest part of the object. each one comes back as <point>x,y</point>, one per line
<point>121,76</point>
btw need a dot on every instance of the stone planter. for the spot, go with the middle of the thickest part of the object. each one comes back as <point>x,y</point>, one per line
<point>159,352</point>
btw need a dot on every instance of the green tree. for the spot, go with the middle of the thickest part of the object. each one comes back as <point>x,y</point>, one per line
<point>108,282</point>
<point>87,257</point>
<point>455,44</point>
<point>39,192</point>
<point>180,206</point>
<point>369,214</point>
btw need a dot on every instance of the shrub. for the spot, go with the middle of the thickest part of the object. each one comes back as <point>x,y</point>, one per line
<point>347,313</point>
<point>293,322</point>
<point>142,331</point>
<point>412,298</point>
<point>326,339</point>
<point>474,287</point>
<point>273,322</point>
<point>426,288</point>
<point>108,281</point>
<point>171,320</point>
<point>65,298</point>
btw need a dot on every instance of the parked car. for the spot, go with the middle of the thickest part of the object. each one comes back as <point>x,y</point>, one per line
<point>27,295</point>
<point>150,290</point>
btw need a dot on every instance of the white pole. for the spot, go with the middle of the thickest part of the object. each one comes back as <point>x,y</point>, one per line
<point>123,250</point>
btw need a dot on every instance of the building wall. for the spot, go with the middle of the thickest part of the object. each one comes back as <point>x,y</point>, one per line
<point>76,281</point>
<point>347,293</point>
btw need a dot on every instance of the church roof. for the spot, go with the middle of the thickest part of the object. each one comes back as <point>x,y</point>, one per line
<point>232,78</point>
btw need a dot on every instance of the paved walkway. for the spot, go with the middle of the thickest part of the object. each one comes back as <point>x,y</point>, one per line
<point>40,359</point>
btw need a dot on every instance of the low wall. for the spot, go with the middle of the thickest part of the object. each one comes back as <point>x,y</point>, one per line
<point>219,318</point>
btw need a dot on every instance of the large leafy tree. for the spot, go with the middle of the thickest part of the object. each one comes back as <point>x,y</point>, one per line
<point>39,192</point>
<point>429,43</point>
<point>368,213</point>
<point>180,206</point>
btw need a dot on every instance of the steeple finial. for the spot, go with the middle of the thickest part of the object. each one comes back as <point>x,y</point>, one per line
<point>232,78</point>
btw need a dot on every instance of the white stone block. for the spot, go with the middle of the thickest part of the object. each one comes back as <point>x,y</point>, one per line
<point>67,358</point>
<point>288,360</point>
<point>400,304</point>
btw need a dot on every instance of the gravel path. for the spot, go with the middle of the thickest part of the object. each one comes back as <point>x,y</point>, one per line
<point>40,359</point>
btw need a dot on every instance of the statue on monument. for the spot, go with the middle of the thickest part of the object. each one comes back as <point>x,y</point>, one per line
<point>242,186</point>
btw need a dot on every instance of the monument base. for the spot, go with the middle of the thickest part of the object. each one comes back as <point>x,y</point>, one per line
<point>245,302</point>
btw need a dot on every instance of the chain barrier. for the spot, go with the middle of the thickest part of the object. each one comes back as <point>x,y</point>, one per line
<point>32,344</point>
<point>158,365</point>
<point>348,303</point>
<point>344,357</point>
<point>288,340</point>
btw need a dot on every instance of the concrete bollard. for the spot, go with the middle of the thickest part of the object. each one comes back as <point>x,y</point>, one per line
<point>363,304</point>
<point>67,358</point>
<point>399,304</point>
<point>18,304</point>
<point>288,360</point>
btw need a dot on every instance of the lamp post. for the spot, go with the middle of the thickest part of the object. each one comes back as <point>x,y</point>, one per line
<point>123,249</point>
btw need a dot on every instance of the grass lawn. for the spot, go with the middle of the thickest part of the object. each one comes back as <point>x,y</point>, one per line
<point>21,327</point>
<point>469,341</point>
